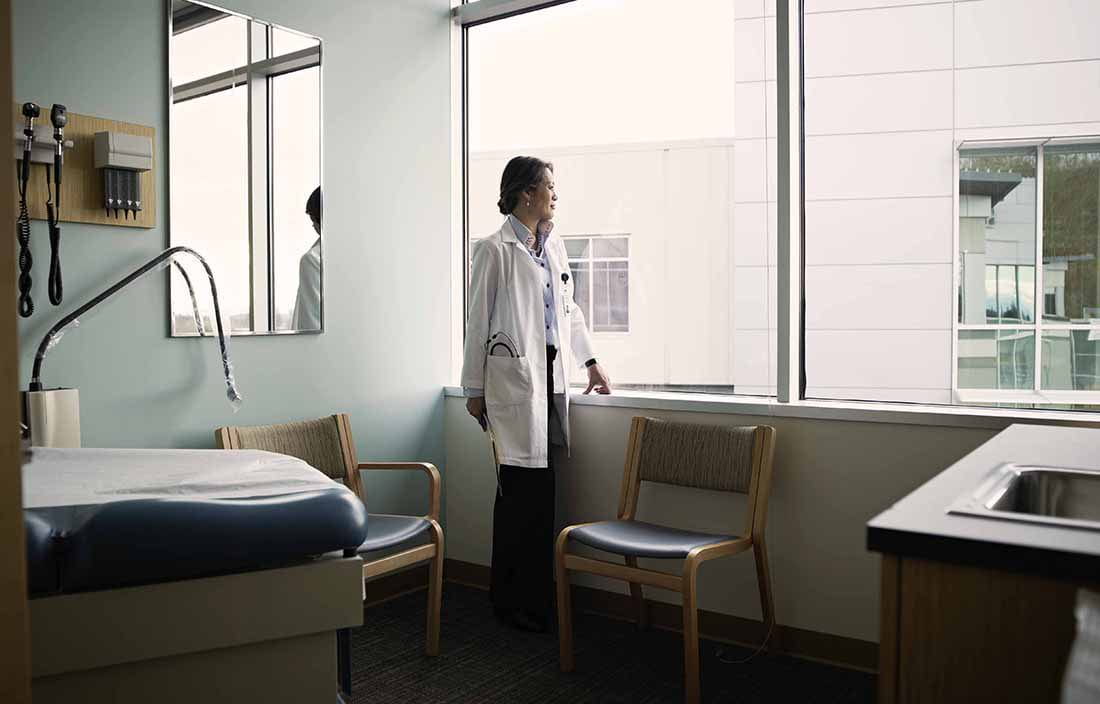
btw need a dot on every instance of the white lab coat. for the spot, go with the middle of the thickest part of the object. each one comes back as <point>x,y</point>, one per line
<point>506,296</point>
<point>307,303</point>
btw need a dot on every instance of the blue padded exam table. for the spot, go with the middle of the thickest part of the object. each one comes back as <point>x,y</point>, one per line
<point>108,527</point>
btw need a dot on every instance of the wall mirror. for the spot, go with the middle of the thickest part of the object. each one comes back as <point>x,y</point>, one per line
<point>244,130</point>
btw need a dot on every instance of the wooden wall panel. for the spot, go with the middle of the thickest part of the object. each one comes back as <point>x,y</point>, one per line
<point>81,182</point>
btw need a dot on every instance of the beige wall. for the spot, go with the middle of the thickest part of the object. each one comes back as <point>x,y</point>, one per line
<point>830,478</point>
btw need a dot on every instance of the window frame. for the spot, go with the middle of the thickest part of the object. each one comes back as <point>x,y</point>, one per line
<point>258,77</point>
<point>790,399</point>
<point>590,260</point>
<point>971,397</point>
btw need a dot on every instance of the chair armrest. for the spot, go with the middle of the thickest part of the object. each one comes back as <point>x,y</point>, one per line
<point>426,467</point>
<point>709,552</point>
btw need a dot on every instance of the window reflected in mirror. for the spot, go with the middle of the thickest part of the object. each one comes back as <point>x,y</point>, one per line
<point>245,171</point>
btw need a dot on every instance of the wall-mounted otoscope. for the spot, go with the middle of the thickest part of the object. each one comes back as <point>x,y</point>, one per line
<point>35,145</point>
<point>59,118</point>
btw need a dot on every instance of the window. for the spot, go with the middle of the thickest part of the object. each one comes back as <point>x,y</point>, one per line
<point>295,172</point>
<point>1005,257</point>
<point>683,300</point>
<point>938,186</point>
<point>601,280</point>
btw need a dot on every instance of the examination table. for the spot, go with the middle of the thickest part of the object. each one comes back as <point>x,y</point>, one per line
<point>187,575</point>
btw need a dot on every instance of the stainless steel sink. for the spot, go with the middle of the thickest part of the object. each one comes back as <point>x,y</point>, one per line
<point>1063,496</point>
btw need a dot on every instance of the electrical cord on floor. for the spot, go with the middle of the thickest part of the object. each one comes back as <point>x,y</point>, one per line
<point>26,261</point>
<point>719,652</point>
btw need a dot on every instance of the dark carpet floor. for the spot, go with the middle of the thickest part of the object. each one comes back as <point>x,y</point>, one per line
<point>484,661</point>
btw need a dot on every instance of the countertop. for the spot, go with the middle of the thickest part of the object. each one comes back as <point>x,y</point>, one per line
<point>919,526</point>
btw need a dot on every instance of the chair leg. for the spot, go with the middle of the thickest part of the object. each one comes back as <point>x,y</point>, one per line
<point>343,660</point>
<point>764,581</point>
<point>638,597</point>
<point>565,607</point>
<point>691,637</point>
<point>435,591</point>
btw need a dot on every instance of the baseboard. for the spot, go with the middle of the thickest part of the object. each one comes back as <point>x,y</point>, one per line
<point>797,642</point>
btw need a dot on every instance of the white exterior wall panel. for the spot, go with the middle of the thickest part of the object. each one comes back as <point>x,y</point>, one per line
<point>879,165</point>
<point>1043,94</point>
<point>908,38</point>
<point>750,118</point>
<point>883,231</point>
<point>886,359</point>
<point>753,361</point>
<point>879,103</point>
<point>818,6</point>
<point>749,171</point>
<point>881,296</point>
<point>697,290</point>
<point>748,37</point>
<point>750,235</point>
<point>752,297</point>
<point>1012,32</point>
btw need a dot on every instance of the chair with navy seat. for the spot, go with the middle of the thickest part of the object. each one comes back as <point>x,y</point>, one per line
<point>326,445</point>
<point>712,457</point>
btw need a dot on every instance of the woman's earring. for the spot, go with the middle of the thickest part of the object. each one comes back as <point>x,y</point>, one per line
<point>528,204</point>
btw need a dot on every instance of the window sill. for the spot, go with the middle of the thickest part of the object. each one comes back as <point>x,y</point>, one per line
<point>853,411</point>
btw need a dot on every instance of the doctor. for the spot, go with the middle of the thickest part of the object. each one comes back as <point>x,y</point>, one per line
<point>525,340</point>
<point>307,303</point>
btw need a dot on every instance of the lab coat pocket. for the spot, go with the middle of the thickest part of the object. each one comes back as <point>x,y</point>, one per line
<point>507,380</point>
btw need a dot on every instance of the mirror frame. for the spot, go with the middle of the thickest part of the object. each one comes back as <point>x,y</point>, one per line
<point>169,101</point>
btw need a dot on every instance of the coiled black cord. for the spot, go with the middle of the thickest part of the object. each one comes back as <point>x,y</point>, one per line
<point>26,261</point>
<point>53,216</point>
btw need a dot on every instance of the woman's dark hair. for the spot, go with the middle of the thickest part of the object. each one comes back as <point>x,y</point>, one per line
<point>521,173</point>
<point>313,204</point>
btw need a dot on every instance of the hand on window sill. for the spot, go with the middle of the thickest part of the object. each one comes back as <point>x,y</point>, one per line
<point>598,380</point>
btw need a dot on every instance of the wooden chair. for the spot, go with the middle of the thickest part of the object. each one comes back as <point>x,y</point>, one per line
<point>718,458</point>
<point>326,444</point>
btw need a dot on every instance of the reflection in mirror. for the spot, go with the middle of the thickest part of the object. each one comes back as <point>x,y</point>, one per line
<point>245,169</point>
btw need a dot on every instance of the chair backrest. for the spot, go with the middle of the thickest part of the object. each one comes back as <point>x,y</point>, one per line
<point>323,443</point>
<point>713,457</point>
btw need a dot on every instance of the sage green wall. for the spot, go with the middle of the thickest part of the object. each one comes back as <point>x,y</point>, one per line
<point>386,134</point>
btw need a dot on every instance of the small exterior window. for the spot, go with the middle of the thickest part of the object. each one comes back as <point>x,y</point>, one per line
<point>601,280</point>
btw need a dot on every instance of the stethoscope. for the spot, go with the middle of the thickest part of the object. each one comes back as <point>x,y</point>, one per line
<point>500,345</point>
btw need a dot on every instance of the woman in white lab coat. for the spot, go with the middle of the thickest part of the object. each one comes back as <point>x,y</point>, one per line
<point>525,340</point>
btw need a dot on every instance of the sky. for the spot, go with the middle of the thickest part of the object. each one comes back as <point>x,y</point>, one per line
<point>602,72</point>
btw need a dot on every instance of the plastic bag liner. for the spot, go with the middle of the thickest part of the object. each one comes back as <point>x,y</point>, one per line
<point>167,258</point>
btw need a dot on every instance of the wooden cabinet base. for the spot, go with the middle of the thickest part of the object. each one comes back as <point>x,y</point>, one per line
<point>953,633</point>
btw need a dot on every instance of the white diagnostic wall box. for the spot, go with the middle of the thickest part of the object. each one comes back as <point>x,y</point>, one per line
<point>122,157</point>
<point>129,152</point>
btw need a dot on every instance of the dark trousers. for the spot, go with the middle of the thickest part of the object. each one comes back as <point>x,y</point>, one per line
<point>522,575</point>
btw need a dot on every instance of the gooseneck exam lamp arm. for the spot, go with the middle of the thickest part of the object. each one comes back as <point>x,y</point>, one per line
<point>43,347</point>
